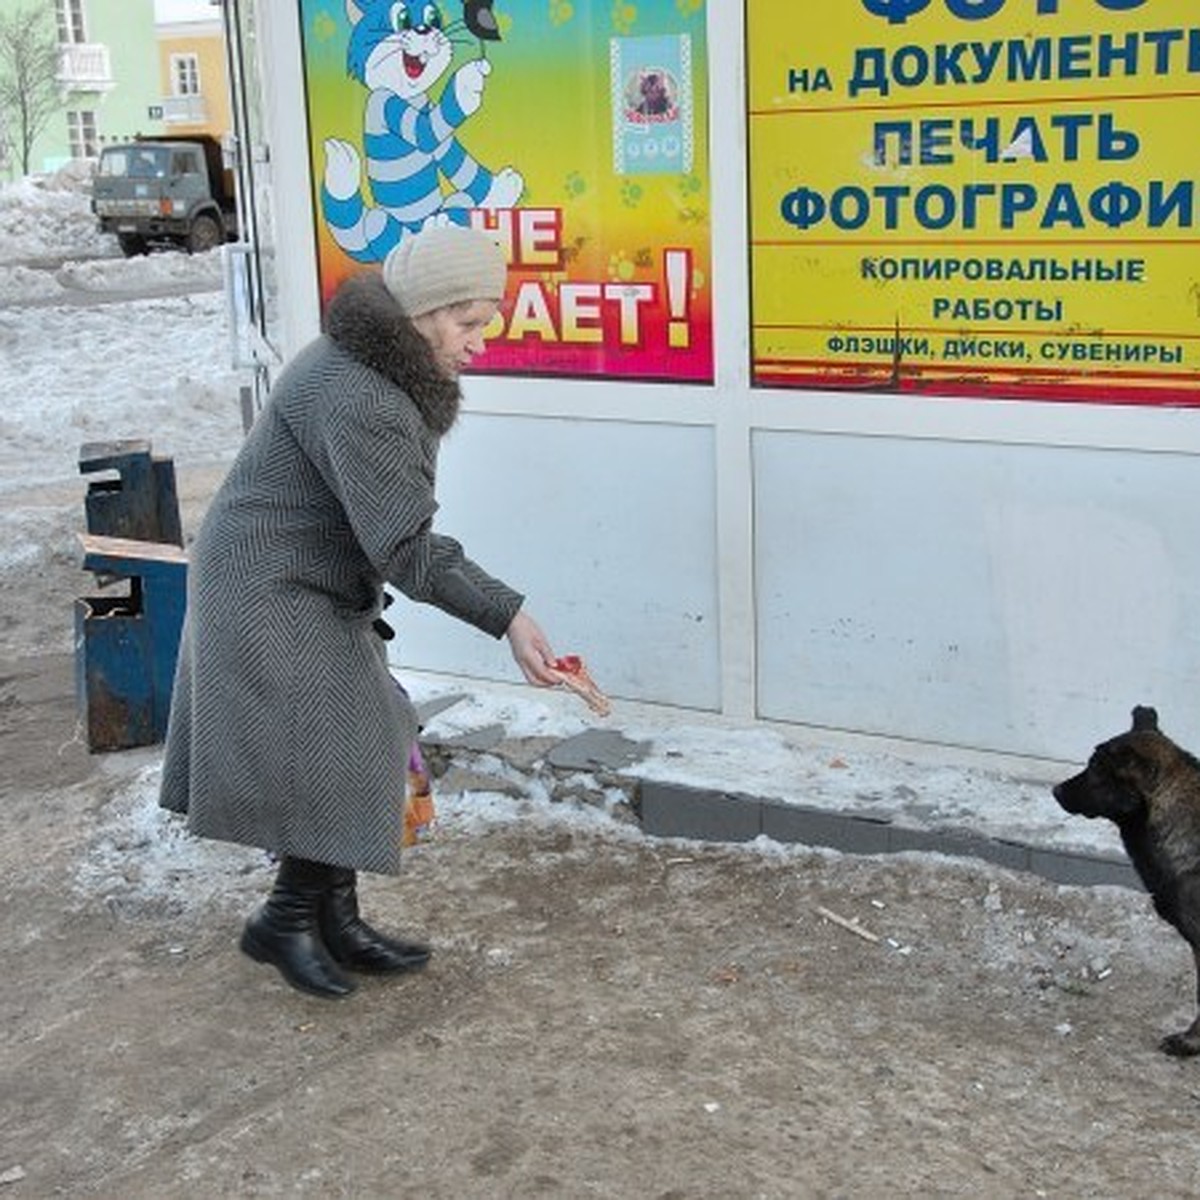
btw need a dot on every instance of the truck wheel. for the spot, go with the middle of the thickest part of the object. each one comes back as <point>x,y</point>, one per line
<point>131,244</point>
<point>205,234</point>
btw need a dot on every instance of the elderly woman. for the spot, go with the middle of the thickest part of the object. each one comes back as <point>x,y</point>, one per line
<point>287,730</point>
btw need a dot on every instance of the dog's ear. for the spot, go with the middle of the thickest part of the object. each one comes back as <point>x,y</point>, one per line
<point>1145,718</point>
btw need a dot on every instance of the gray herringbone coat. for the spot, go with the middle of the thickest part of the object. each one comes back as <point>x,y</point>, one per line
<point>287,731</point>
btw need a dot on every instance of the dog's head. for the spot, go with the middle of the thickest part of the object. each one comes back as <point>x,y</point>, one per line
<point>1122,773</point>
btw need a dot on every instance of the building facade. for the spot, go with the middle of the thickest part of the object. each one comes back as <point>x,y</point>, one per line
<point>121,75</point>
<point>193,77</point>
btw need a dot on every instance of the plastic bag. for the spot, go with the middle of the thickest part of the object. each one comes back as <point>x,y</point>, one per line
<point>418,801</point>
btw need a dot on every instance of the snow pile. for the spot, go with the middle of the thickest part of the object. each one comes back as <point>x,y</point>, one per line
<point>152,369</point>
<point>104,349</point>
<point>143,858</point>
<point>49,217</point>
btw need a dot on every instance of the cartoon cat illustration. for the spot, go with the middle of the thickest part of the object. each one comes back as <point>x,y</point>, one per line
<point>398,51</point>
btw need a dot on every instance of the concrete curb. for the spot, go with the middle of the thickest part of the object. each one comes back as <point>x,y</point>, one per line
<point>712,815</point>
<point>675,810</point>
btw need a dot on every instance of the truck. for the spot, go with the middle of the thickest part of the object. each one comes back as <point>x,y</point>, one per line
<point>165,191</point>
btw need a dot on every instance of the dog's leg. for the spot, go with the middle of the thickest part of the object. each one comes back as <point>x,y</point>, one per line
<point>1187,1041</point>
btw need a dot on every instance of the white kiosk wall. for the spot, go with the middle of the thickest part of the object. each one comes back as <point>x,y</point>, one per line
<point>609,529</point>
<point>1021,597</point>
<point>1008,576</point>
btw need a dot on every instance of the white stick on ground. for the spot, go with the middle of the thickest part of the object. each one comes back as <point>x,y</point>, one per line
<point>846,923</point>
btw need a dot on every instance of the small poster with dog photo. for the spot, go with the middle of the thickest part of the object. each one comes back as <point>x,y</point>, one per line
<point>651,84</point>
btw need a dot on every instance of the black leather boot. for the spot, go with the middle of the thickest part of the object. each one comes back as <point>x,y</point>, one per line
<point>285,930</point>
<point>354,943</point>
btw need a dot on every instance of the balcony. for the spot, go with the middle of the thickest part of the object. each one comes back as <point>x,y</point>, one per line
<point>84,67</point>
<point>183,110</point>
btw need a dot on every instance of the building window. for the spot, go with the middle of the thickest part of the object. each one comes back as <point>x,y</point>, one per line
<point>70,21</point>
<point>81,130</point>
<point>185,75</point>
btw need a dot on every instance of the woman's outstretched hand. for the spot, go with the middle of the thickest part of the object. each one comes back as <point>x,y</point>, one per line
<point>531,650</point>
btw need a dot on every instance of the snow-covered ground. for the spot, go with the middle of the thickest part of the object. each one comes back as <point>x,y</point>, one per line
<point>80,361</point>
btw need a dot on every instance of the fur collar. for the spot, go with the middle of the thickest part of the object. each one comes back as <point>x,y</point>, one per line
<point>365,320</point>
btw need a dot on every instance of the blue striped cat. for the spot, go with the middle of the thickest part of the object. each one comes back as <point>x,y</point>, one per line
<point>398,51</point>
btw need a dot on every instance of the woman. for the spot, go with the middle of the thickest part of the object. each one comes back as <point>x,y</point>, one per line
<point>287,730</point>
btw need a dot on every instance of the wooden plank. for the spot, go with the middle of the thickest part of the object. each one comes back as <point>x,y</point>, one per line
<point>131,550</point>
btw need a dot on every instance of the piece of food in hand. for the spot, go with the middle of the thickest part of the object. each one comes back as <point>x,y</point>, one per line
<point>571,671</point>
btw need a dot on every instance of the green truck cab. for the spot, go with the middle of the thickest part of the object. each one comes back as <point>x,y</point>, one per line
<point>165,190</point>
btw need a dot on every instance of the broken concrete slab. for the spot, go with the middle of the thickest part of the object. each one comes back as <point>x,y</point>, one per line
<point>428,709</point>
<point>526,753</point>
<point>464,779</point>
<point>487,737</point>
<point>604,749</point>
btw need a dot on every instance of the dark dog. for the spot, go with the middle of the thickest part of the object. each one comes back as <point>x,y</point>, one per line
<point>1150,788</point>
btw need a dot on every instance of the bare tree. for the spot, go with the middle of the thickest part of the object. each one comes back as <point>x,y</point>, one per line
<point>29,91</point>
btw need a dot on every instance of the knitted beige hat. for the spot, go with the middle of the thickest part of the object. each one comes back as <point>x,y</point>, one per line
<point>444,264</point>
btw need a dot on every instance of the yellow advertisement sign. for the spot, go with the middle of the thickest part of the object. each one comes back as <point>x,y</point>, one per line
<point>977,198</point>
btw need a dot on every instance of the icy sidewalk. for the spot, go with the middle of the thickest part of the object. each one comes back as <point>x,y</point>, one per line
<point>693,775</point>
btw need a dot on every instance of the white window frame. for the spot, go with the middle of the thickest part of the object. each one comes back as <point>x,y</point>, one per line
<point>185,75</point>
<point>81,133</point>
<point>71,29</point>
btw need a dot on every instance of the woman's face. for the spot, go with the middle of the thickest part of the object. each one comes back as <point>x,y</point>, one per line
<point>456,332</point>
